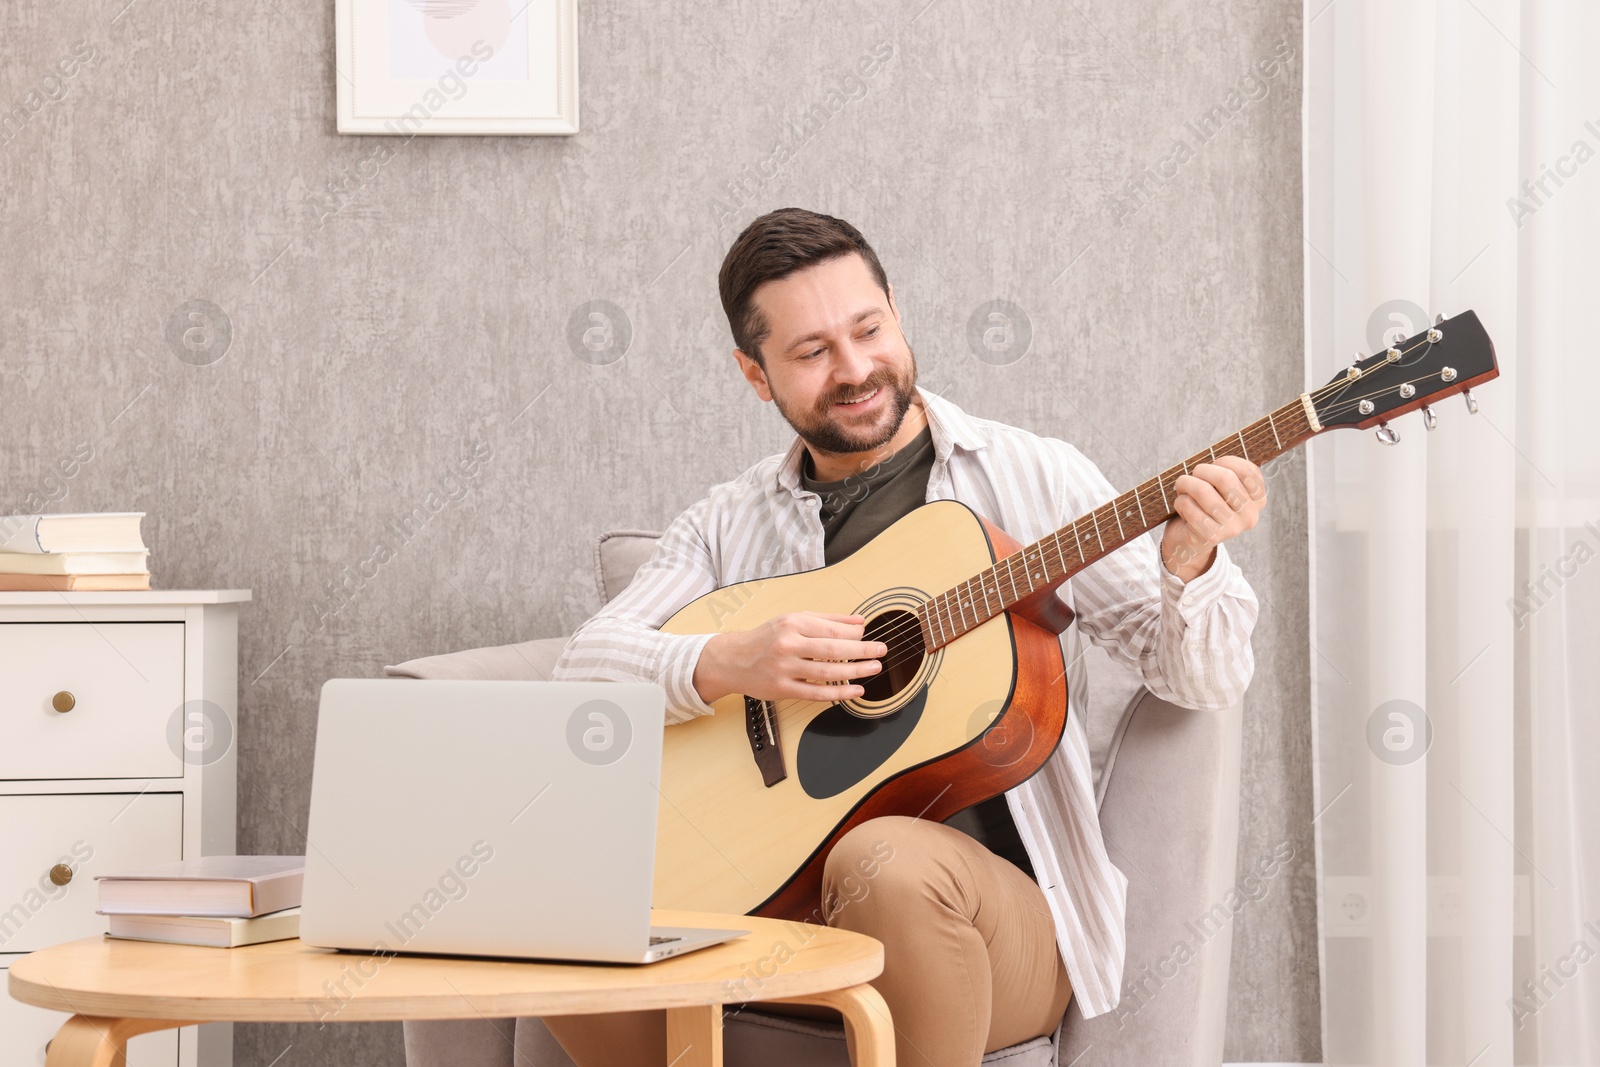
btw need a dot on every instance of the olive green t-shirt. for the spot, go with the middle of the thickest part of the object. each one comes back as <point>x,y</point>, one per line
<point>859,507</point>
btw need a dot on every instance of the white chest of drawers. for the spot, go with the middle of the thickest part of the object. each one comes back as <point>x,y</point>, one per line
<point>118,748</point>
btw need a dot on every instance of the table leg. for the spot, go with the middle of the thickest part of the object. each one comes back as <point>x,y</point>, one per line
<point>98,1041</point>
<point>694,1036</point>
<point>867,1024</point>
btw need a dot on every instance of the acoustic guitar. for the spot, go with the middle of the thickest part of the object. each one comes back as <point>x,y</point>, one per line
<point>972,698</point>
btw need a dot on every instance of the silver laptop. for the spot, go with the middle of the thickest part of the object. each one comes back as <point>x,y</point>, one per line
<point>488,818</point>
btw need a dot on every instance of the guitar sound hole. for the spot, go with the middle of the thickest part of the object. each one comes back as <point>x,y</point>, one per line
<point>900,631</point>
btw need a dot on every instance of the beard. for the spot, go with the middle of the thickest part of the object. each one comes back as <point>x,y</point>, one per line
<point>821,428</point>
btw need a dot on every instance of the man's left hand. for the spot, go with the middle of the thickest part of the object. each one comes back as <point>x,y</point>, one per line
<point>1215,502</point>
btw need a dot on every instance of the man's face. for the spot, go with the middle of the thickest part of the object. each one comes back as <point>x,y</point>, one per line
<point>835,361</point>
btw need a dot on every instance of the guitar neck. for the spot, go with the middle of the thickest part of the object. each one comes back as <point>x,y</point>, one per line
<point>1056,557</point>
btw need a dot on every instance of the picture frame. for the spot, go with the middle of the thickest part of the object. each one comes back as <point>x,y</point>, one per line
<point>462,67</point>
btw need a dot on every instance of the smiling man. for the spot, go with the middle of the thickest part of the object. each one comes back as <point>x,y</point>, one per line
<point>990,929</point>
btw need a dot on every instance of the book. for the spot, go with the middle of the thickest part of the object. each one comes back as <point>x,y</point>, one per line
<point>218,886</point>
<point>73,583</point>
<point>75,562</point>
<point>93,531</point>
<point>216,931</point>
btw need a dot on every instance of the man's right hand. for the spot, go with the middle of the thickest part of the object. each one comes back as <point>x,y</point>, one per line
<point>791,656</point>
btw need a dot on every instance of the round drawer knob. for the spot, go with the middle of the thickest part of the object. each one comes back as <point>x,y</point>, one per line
<point>63,701</point>
<point>61,874</point>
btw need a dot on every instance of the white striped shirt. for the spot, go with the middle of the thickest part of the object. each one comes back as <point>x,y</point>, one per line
<point>1190,643</point>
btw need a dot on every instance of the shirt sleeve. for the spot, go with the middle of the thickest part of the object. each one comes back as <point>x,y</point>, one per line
<point>624,643</point>
<point>1190,642</point>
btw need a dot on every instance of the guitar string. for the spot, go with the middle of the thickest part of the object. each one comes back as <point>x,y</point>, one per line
<point>1255,437</point>
<point>1250,439</point>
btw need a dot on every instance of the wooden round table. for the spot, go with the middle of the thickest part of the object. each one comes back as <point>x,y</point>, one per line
<point>118,989</point>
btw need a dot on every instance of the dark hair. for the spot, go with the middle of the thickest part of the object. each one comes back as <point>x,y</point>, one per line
<point>777,245</point>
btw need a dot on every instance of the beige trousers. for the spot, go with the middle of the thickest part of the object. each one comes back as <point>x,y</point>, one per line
<point>969,948</point>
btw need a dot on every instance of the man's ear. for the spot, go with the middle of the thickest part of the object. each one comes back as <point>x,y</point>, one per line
<point>753,374</point>
<point>892,306</point>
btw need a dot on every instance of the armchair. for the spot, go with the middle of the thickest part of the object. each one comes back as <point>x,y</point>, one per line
<point>1167,782</point>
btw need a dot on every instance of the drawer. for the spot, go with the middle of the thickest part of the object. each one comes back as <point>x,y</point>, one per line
<point>90,833</point>
<point>125,681</point>
<point>27,1028</point>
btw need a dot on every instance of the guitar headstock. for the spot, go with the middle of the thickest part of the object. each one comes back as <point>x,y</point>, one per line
<point>1449,357</point>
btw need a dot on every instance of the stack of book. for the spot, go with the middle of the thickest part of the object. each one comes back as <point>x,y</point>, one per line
<point>67,553</point>
<point>223,901</point>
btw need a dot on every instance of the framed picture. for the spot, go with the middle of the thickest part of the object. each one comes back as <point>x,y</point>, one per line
<point>457,66</point>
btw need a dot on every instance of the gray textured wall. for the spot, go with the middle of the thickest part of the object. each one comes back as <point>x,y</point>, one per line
<point>396,305</point>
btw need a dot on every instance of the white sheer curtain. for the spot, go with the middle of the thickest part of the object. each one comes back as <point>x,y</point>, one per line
<point>1456,576</point>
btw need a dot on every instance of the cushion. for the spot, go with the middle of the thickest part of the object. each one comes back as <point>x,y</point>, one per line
<point>617,556</point>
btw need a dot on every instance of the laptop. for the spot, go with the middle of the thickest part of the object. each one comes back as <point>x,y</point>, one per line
<point>488,818</point>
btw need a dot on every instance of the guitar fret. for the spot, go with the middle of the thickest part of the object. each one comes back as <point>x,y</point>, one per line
<point>956,611</point>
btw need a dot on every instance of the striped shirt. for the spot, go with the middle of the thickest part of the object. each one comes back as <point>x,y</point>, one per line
<point>1190,643</point>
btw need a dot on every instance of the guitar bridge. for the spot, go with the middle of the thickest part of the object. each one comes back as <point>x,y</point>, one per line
<point>761,724</point>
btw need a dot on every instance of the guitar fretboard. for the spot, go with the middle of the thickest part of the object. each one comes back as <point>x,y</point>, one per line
<point>1056,557</point>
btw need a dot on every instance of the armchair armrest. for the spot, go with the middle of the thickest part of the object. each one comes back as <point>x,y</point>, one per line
<point>1169,809</point>
<point>530,661</point>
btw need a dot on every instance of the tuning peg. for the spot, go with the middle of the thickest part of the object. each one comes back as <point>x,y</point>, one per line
<point>1386,435</point>
<point>1472,402</point>
<point>1429,419</point>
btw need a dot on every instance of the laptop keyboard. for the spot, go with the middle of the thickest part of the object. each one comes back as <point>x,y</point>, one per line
<point>655,940</point>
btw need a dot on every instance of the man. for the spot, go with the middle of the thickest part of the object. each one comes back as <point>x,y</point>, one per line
<point>988,933</point>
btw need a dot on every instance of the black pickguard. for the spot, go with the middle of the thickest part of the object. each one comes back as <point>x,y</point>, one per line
<point>838,749</point>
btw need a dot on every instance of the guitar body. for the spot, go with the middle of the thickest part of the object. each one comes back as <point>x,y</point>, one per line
<point>742,831</point>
